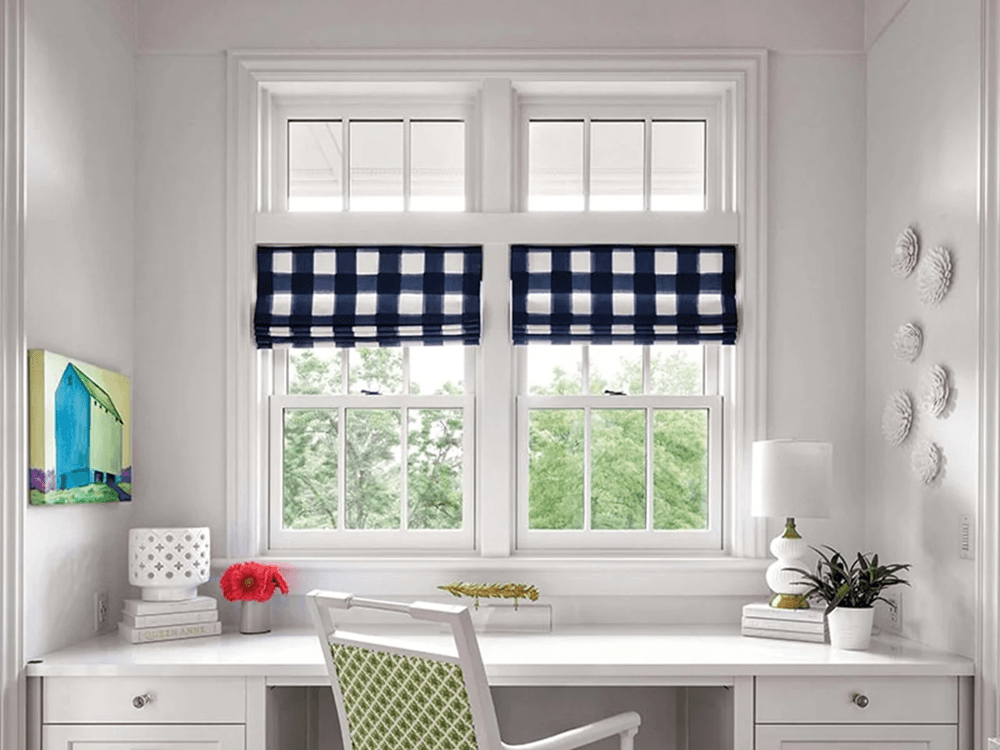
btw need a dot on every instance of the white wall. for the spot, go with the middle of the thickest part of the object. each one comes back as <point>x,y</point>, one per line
<point>922,145</point>
<point>816,273</point>
<point>78,245</point>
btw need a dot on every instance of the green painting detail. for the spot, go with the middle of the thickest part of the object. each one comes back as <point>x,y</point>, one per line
<point>78,431</point>
<point>398,702</point>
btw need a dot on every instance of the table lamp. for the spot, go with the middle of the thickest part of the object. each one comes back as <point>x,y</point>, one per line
<point>794,479</point>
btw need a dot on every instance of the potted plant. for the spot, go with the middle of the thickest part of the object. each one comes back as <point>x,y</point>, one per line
<point>850,592</point>
<point>252,584</point>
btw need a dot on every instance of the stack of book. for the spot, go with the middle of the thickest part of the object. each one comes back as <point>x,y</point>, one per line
<point>144,622</point>
<point>764,621</point>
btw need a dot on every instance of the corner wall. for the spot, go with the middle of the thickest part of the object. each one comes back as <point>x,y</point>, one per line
<point>923,169</point>
<point>78,252</point>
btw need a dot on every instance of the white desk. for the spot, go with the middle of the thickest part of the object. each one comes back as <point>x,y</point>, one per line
<point>782,690</point>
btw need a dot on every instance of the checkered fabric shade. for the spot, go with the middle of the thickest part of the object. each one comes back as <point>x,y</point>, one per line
<point>396,702</point>
<point>374,296</point>
<point>639,294</point>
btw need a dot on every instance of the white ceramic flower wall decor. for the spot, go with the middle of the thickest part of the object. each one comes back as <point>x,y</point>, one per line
<point>935,390</point>
<point>925,461</point>
<point>905,254</point>
<point>934,276</point>
<point>907,342</point>
<point>897,417</point>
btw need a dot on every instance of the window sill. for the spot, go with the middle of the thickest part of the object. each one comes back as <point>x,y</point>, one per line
<point>554,576</point>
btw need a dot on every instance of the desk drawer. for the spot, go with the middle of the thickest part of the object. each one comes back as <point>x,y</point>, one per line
<point>173,700</point>
<point>829,700</point>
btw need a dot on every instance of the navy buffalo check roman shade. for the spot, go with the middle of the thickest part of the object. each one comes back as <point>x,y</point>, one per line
<point>640,294</point>
<point>367,296</point>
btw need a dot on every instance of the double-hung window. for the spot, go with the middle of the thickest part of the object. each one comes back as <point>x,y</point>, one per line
<point>592,402</point>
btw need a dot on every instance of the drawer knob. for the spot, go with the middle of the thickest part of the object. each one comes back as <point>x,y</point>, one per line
<point>860,700</point>
<point>140,701</point>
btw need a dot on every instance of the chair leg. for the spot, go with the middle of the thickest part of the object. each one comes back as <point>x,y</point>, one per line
<point>626,739</point>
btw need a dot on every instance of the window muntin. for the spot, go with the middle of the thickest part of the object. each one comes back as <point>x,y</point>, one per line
<point>619,447</point>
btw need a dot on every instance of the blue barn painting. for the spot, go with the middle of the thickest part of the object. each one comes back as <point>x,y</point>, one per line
<point>88,433</point>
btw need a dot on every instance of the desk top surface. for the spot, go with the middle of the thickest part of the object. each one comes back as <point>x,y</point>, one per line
<point>578,655</point>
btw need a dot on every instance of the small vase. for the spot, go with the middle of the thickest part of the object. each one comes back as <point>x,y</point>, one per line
<point>851,629</point>
<point>255,617</point>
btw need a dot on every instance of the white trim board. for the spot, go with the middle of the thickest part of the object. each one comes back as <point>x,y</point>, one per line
<point>12,381</point>
<point>987,696</point>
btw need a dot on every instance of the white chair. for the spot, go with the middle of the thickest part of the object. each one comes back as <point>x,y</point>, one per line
<point>391,697</point>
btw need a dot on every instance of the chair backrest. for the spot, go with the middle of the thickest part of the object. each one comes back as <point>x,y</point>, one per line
<point>394,696</point>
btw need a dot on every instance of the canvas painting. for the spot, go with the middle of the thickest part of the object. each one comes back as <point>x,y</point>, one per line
<point>79,432</point>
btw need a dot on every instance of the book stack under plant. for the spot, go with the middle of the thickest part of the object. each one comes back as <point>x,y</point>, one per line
<point>144,622</point>
<point>765,621</point>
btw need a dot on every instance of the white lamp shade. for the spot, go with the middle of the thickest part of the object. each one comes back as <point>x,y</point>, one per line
<point>791,478</point>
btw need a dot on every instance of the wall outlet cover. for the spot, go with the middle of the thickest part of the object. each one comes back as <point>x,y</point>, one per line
<point>100,610</point>
<point>894,611</point>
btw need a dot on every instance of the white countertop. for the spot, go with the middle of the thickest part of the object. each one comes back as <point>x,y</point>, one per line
<point>579,655</point>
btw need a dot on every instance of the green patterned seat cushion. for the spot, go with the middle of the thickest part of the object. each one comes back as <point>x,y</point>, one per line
<point>403,702</point>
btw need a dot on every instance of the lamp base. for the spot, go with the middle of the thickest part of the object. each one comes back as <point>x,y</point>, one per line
<point>789,548</point>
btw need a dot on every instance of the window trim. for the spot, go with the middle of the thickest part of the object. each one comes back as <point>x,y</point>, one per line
<point>251,76</point>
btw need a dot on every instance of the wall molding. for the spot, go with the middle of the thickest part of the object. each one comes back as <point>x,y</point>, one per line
<point>12,376</point>
<point>987,699</point>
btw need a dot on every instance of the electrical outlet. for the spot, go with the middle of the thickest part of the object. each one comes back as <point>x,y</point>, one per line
<point>100,610</point>
<point>965,546</point>
<point>894,611</point>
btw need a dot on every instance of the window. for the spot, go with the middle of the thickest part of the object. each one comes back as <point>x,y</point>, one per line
<point>622,440</point>
<point>579,449</point>
<point>371,443</point>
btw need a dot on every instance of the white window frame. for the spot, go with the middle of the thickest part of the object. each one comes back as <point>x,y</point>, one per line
<point>354,107</point>
<point>322,541</point>
<point>252,79</point>
<point>605,108</point>
<point>582,540</point>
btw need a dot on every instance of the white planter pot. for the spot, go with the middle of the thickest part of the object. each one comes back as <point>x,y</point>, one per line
<point>851,629</point>
<point>168,564</point>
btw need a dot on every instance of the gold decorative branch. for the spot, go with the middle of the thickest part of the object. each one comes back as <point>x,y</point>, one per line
<point>477,591</point>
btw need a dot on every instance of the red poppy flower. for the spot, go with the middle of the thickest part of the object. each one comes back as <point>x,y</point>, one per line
<point>251,581</point>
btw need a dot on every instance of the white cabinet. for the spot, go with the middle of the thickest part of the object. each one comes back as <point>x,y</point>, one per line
<point>143,737</point>
<point>857,737</point>
<point>860,713</point>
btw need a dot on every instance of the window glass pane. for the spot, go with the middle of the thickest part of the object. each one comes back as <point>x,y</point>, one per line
<point>616,367</point>
<point>616,166</point>
<point>376,165</point>
<point>314,371</point>
<point>618,468</point>
<point>437,166</point>
<point>373,469</point>
<point>677,370</point>
<point>680,469</point>
<point>309,466</point>
<point>555,370</point>
<point>437,370</point>
<point>555,166</point>
<point>678,166</point>
<point>378,370</point>
<point>434,469</point>
<point>555,469</point>
<point>315,165</point>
